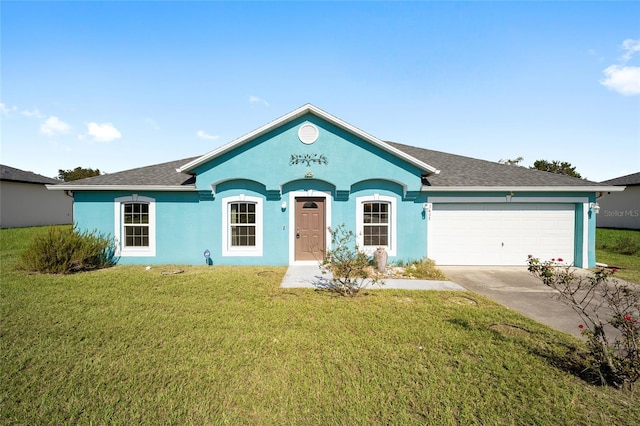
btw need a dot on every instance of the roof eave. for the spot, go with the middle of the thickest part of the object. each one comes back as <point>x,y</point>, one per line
<point>26,181</point>
<point>427,188</point>
<point>308,108</point>
<point>59,187</point>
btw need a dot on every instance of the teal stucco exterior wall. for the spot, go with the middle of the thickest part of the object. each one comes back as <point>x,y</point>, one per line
<point>273,167</point>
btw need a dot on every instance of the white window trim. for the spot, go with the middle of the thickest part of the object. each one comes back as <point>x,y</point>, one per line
<point>123,251</point>
<point>392,248</point>
<point>227,249</point>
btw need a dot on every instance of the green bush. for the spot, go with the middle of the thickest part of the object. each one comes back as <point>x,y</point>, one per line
<point>65,250</point>
<point>626,242</point>
<point>624,245</point>
<point>424,269</point>
<point>347,265</point>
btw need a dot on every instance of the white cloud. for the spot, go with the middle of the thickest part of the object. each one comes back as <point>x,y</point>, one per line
<point>34,113</point>
<point>30,113</point>
<point>630,47</point>
<point>622,78</point>
<point>202,135</point>
<point>5,110</point>
<point>104,132</point>
<point>53,125</point>
<point>256,100</point>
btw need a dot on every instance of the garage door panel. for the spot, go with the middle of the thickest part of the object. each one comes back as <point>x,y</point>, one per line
<point>500,234</point>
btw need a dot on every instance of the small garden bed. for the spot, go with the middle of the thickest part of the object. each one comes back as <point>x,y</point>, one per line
<point>413,270</point>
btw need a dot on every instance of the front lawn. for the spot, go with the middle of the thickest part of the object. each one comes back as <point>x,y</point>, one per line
<point>615,247</point>
<point>227,345</point>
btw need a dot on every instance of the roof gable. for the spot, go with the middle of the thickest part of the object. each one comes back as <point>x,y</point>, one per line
<point>279,157</point>
<point>298,113</point>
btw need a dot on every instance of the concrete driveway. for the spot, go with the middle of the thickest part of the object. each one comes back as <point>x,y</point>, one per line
<point>515,288</point>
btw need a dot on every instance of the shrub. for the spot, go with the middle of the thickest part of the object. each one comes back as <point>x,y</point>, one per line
<point>615,360</point>
<point>347,264</point>
<point>618,241</point>
<point>424,269</point>
<point>64,250</point>
<point>625,245</point>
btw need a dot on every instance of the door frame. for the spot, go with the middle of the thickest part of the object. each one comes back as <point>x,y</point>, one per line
<point>291,209</point>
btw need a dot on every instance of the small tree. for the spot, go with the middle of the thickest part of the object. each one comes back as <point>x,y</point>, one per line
<point>511,162</point>
<point>77,173</point>
<point>557,167</point>
<point>615,359</point>
<point>347,264</point>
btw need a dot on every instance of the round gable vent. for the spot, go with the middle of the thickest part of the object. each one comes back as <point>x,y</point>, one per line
<point>308,133</point>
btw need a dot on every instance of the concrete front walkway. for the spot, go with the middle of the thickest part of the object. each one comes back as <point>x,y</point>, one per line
<point>310,276</point>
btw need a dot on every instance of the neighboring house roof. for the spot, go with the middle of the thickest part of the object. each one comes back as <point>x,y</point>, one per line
<point>628,180</point>
<point>16,175</point>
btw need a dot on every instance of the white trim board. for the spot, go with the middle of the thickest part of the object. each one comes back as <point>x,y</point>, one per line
<point>61,187</point>
<point>466,200</point>
<point>427,188</point>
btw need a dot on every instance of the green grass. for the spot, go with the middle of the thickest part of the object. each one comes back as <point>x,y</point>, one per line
<point>609,243</point>
<point>226,345</point>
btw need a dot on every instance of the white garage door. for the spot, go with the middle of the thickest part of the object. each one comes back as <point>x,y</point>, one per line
<point>500,234</point>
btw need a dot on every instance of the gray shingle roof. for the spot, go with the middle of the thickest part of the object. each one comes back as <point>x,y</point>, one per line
<point>16,175</point>
<point>457,170</point>
<point>164,174</point>
<point>632,179</point>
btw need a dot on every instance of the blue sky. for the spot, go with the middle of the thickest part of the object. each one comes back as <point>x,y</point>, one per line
<point>118,85</point>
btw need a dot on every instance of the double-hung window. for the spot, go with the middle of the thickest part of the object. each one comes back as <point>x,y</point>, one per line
<point>376,223</point>
<point>242,216</point>
<point>242,226</point>
<point>375,226</point>
<point>135,226</point>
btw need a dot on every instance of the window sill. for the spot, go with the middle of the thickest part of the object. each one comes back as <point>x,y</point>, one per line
<point>242,252</point>
<point>129,252</point>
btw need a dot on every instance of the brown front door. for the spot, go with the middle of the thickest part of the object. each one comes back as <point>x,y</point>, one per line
<point>310,228</point>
